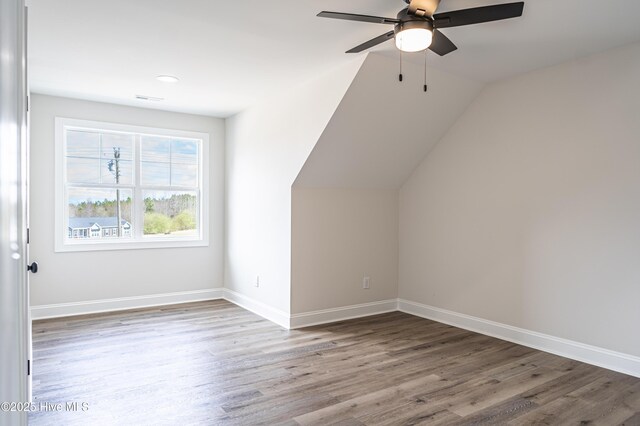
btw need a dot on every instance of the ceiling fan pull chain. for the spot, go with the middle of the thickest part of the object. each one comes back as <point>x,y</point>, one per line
<point>425,71</point>
<point>400,75</point>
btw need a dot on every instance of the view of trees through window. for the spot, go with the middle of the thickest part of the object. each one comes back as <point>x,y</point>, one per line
<point>162,216</point>
<point>173,214</point>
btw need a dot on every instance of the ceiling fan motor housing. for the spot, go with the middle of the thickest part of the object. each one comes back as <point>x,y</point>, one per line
<point>409,21</point>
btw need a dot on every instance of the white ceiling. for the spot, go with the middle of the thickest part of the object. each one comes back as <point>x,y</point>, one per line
<point>228,54</point>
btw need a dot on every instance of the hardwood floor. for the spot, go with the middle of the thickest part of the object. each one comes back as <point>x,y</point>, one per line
<point>215,363</point>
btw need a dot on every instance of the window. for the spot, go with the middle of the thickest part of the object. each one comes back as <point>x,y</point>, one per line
<point>122,187</point>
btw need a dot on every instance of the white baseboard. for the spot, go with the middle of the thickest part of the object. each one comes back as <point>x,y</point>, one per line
<point>272,314</point>
<point>617,361</point>
<point>122,303</point>
<point>325,316</point>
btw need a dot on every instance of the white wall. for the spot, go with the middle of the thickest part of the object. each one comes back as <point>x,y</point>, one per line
<point>338,237</point>
<point>83,276</point>
<point>266,147</point>
<point>527,212</point>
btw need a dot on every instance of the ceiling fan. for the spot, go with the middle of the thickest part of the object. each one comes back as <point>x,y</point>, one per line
<point>416,27</point>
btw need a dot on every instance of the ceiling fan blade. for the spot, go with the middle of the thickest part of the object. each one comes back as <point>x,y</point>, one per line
<point>373,42</point>
<point>423,7</point>
<point>478,15</point>
<point>441,44</point>
<point>359,18</point>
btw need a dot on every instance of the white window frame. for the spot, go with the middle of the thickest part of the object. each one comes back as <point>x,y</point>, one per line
<point>138,241</point>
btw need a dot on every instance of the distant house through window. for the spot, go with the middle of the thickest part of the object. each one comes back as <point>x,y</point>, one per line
<point>120,186</point>
<point>97,227</point>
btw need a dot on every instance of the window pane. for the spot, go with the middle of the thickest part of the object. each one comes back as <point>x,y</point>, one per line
<point>184,163</point>
<point>155,148</point>
<point>83,156</point>
<point>184,175</point>
<point>170,213</point>
<point>155,174</point>
<point>93,213</point>
<point>184,152</point>
<point>94,157</point>
<point>83,144</point>
<point>155,154</point>
<point>169,162</point>
<point>83,170</point>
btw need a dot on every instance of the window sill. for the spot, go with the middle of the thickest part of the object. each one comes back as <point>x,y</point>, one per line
<point>131,245</point>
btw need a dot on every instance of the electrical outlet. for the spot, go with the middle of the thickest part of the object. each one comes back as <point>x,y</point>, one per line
<point>257,280</point>
<point>366,282</point>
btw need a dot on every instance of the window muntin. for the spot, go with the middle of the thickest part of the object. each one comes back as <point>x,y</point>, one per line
<point>151,179</point>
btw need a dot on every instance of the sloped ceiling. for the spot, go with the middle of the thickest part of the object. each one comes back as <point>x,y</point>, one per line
<point>382,129</point>
<point>549,32</point>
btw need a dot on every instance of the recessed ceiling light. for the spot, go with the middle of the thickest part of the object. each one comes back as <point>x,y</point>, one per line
<point>167,78</point>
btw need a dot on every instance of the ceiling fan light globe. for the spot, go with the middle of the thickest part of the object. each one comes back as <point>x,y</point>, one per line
<point>414,39</point>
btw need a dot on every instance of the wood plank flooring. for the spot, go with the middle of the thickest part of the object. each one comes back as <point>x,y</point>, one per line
<point>214,363</point>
